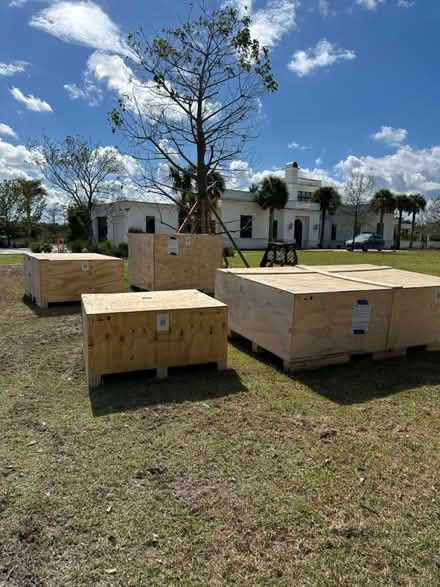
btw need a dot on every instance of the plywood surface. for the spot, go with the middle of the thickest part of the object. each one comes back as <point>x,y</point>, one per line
<point>148,301</point>
<point>71,257</point>
<point>311,283</point>
<point>181,261</point>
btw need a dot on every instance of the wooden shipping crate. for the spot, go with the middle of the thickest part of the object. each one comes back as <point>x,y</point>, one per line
<point>64,277</point>
<point>415,317</point>
<point>170,262</point>
<point>152,330</point>
<point>306,318</point>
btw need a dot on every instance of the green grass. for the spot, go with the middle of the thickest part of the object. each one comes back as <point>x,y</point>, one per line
<point>427,261</point>
<point>247,477</point>
<point>11,259</point>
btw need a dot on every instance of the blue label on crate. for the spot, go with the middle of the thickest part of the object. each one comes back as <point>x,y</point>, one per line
<point>361,317</point>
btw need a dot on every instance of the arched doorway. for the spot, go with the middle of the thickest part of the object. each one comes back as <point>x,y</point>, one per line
<point>298,233</point>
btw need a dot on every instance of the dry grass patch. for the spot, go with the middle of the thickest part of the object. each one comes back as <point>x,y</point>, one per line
<point>250,477</point>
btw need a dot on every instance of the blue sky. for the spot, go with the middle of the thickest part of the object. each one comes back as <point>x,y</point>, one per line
<point>358,83</point>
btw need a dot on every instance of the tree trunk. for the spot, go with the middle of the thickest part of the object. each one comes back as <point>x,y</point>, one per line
<point>413,227</point>
<point>382,213</point>
<point>399,228</point>
<point>354,227</point>
<point>270,224</point>
<point>90,237</point>
<point>321,240</point>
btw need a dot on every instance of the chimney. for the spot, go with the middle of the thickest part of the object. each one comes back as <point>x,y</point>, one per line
<point>291,172</point>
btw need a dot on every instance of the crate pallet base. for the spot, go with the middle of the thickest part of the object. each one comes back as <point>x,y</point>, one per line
<point>312,363</point>
<point>95,380</point>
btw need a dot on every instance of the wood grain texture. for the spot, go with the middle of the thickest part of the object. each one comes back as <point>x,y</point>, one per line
<point>160,262</point>
<point>152,330</point>
<point>306,315</point>
<point>64,277</point>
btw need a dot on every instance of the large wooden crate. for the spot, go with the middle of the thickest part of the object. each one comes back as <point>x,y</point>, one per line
<point>415,316</point>
<point>152,330</point>
<point>171,262</point>
<point>64,277</point>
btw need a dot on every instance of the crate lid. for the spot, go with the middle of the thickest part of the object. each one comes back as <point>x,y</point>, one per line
<point>393,277</point>
<point>72,257</point>
<point>186,299</point>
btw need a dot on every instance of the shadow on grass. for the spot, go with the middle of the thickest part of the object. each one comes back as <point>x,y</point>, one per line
<point>362,379</point>
<point>130,391</point>
<point>55,309</point>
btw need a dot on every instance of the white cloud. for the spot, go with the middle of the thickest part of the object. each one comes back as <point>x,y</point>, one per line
<point>14,161</point>
<point>324,7</point>
<point>31,102</point>
<point>322,55</point>
<point>298,146</point>
<point>270,23</point>
<point>120,78</point>
<point>7,130</point>
<point>405,3</point>
<point>89,92</point>
<point>391,136</point>
<point>369,4</point>
<point>9,69</point>
<point>406,170</point>
<point>81,22</point>
<point>318,161</point>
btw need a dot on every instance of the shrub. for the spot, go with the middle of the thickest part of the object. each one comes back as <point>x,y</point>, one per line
<point>47,247</point>
<point>122,250</point>
<point>36,246</point>
<point>78,245</point>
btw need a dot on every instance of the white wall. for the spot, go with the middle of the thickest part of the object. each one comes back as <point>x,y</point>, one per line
<point>232,210</point>
<point>344,227</point>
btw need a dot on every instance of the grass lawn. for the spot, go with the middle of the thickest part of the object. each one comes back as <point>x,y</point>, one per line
<point>247,477</point>
<point>11,259</point>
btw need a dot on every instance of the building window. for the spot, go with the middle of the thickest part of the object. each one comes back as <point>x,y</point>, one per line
<point>333,235</point>
<point>150,224</point>
<point>245,226</point>
<point>304,196</point>
<point>102,228</point>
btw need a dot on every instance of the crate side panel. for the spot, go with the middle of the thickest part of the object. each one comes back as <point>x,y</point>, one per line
<point>324,323</point>
<point>227,290</point>
<point>141,260</point>
<point>106,276</point>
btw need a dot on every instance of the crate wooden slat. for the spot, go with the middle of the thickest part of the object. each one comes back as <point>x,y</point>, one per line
<point>415,318</point>
<point>307,315</point>
<point>64,277</point>
<point>152,330</point>
<point>171,262</point>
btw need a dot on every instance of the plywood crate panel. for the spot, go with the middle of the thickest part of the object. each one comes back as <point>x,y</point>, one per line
<point>64,277</point>
<point>314,315</point>
<point>152,330</point>
<point>303,317</point>
<point>415,318</point>
<point>170,262</point>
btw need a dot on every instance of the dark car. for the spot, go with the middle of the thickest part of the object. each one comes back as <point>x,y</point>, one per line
<point>365,241</point>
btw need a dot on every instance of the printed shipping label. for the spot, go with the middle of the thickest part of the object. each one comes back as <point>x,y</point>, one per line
<point>188,241</point>
<point>84,266</point>
<point>162,322</point>
<point>173,246</point>
<point>361,317</point>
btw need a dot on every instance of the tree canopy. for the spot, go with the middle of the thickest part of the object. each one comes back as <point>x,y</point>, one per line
<point>329,200</point>
<point>272,194</point>
<point>196,88</point>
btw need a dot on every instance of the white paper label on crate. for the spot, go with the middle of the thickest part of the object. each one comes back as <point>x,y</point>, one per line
<point>114,266</point>
<point>84,266</point>
<point>173,246</point>
<point>188,241</point>
<point>361,317</point>
<point>162,322</point>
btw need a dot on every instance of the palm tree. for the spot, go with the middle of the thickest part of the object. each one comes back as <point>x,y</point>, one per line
<point>417,204</point>
<point>383,202</point>
<point>33,201</point>
<point>403,204</point>
<point>272,194</point>
<point>328,199</point>
<point>183,184</point>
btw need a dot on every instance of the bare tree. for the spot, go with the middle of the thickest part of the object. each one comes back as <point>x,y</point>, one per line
<point>195,89</point>
<point>10,207</point>
<point>82,171</point>
<point>53,212</point>
<point>357,190</point>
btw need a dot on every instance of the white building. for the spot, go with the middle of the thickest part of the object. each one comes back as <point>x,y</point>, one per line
<point>299,221</point>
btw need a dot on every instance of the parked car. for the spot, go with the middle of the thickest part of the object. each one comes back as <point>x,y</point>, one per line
<point>365,241</point>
